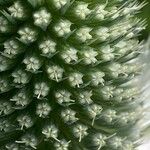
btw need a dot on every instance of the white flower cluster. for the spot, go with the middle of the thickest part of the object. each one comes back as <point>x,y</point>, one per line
<point>89,56</point>
<point>41,89</point>
<point>43,109</point>
<point>107,53</point>
<point>4,24</point>
<point>4,63</point>
<point>126,117</point>
<point>42,18</point>
<point>97,78</point>
<point>20,76</point>
<point>21,98</point>
<point>32,63</point>
<point>17,10</point>
<point>107,92</point>
<point>99,140</point>
<point>102,33</point>
<point>5,108</point>
<point>63,97</point>
<point>55,73</point>
<point>100,12</point>
<point>83,34</point>
<point>75,79</point>
<point>48,47</point>
<point>12,146</point>
<point>29,140</point>
<point>94,111</point>
<point>50,131</point>
<point>68,116</point>
<point>62,145</point>
<point>5,125</point>
<point>11,47</point>
<point>85,97</point>
<point>109,115</point>
<point>80,131</point>
<point>81,10</point>
<point>69,55</point>
<point>4,85</point>
<point>116,142</point>
<point>25,121</point>
<point>62,28</point>
<point>59,3</point>
<point>27,34</point>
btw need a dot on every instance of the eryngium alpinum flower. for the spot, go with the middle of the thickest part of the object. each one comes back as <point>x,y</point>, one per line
<point>65,72</point>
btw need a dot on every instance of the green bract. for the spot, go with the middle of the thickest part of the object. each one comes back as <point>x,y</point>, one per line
<point>66,72</point>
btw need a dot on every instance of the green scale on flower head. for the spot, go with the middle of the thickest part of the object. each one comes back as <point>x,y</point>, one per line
<point>65,72</point>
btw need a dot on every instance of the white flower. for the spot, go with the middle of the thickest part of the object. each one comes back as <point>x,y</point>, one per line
<point>43,109</point>
<point>99,140</point>
<point>116,142</point>
<point>83,34</point>
<point>5,125</point>
<point>21,98</point>
<point>20,76</point>
<point>4,24</point>
<point>5,108</point>
<point>48,47</point>
<point>59,3</point>
<point>97,78</point>
<point>32,63</point>
<point>109,115</point>
<point>94,111</point>
<point>63,96</point>
<point>4,63</point>
<point>41,89</point>
<point>62,28</point>
<point>89,56</point>
<point>100,12</point>
<point>107,92</point>
<point>81,10</point>
<point>27,35</point>
<point>80,131</point>
<point>62,145</point>
<point>75,79</point>
<point>70,55</point>
<point>4,85</point>
<point>85,97</point>
<point>50,131</point>
<point>12,146</point>
<point>102,33</point>
<point>114,69</point>
<point>17,10</point>
<point>68,116</point>
<point>42,18</point>
<point>29,140</point>
<point>11,47</point>
<point>55,73</point>
<point>25,121</point>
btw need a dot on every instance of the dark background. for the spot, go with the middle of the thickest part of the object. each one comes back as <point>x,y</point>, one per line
<point>145,14</point>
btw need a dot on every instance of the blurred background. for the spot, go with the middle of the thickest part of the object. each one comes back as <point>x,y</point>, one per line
<point>145,13</point>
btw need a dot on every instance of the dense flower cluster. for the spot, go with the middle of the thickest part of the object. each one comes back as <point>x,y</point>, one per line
<point>65,72</point>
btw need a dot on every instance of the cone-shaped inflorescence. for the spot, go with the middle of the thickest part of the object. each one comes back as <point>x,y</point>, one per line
<point>65,67</point>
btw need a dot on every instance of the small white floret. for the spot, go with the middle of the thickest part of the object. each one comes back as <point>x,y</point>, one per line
<point>43,109</point>
<point>62,28</point>
<point>75,79</point>
<point>41,89</point>
<point>55,73</point>
<point>81,10</point>
<point>80,131</point>
<point>42,18</point>
<point>83,34</point>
